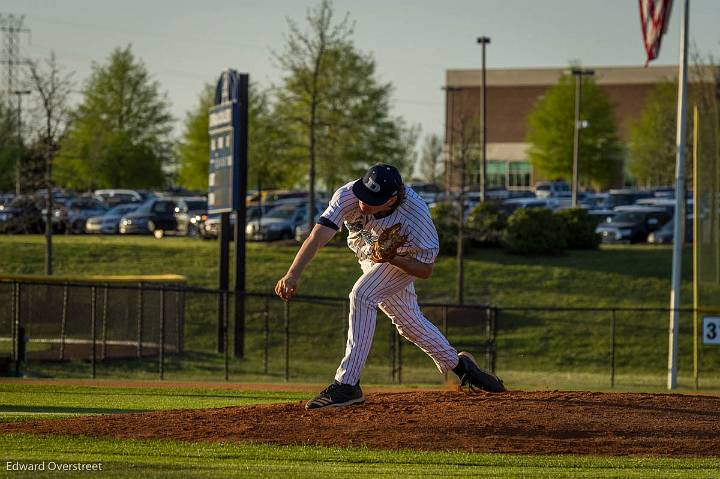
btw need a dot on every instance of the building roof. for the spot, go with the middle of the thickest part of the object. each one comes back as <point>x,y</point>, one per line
<point>604,75</point>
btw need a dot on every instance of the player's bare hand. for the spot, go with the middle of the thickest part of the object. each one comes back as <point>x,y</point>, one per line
<point>286,287</point>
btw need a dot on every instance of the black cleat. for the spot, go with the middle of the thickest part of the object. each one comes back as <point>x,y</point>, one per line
<point>337,395</point>
<point>476,378</point>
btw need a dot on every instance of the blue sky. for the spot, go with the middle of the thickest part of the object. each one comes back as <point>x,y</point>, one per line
<point>185,43</point>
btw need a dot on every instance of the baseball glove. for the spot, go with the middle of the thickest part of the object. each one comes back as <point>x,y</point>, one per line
<point>387,244</point>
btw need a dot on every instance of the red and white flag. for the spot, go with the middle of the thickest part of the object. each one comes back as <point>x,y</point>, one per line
<point>654,19</point>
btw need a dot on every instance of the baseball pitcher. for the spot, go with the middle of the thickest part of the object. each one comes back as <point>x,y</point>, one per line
<point>395,241</point>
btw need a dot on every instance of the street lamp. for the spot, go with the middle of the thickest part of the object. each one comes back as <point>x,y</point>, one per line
<point>19,94</point>
<point>483,108</point>
<point>578,73</point>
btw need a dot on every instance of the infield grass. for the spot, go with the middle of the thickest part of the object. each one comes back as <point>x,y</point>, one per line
<point>188,460</point>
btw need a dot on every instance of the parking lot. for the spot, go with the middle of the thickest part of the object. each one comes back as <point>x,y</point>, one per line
<point>623,215</point>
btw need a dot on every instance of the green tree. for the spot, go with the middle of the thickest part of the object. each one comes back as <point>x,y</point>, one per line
<point>335,111</point>
<point>8,146</point>
<point>551,133</point>
<point>120,133</point>
<point>652,138</point>
<point>266,163</point>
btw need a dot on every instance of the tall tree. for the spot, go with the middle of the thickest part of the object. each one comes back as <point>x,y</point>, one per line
<point>652,138</point>
<point>335,110</point>
<point>266,163</point>
<point>120,135</point>
<point>550,134</point>
<point>431,164</point>
<point>306,65</point>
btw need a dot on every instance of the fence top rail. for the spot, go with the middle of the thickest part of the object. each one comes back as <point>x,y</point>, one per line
<point>94,279</point>
<point>176,283</point>
<point>595,309</point>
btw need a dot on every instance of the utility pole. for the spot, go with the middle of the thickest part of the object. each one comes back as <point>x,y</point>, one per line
<point>18,159</point>
<point>11,26</point>
<point>483,110</point>
<point>578,73</point>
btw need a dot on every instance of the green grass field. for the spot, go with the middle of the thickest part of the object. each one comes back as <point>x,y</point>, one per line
<point>538,349</point>
<point>156,458</point>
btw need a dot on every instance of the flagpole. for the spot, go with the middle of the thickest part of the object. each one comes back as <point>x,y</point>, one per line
<point>679,219</point>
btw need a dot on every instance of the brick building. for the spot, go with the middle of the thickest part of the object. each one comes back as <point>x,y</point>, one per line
<point>511,95</point>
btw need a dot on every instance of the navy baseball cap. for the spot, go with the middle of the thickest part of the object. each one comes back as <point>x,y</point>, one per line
<point>380,183</point>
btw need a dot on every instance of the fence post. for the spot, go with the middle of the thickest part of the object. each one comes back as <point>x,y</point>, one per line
<point>178,323</point>
<point>181,323</point>
<point>93,333</point>
<point>287,341</point>
<point>13,320</point>
<point>266,334</point>
<point>393,353</point>
<point>488,339</point>
<point>140,321</point>
<point>400,361</point>
<point>103,346</point>
<point>226,350</point>
<point>161,346</point>
<point>495,312</point>
<point>612,349</point>
<point>445,329</point>
<point>63,320</point>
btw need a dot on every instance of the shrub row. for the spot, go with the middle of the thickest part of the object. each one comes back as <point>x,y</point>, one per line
<point>526,231</point>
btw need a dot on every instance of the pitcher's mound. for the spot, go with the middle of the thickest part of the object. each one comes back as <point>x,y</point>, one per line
<point>512,422</point>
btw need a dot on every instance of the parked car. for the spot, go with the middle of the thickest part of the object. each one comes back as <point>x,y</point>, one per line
<point>210,228</point>
<point>188,212</point>
<point>114,197</point>
<point>548,189</point>
<point>109,223</point>
<point>76,212</point>
<point>665,234</point>
<point>280,223</point>
<point>155,216</point>
<point>509,206</point>
<point>22,215</point>
<point>633,224</point>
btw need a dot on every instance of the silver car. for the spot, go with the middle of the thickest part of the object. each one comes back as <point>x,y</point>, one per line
<point>109,223</point>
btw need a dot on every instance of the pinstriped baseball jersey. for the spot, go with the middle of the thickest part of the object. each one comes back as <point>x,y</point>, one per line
<point>412,214</point>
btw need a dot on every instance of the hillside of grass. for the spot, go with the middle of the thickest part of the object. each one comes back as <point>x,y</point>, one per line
<point>555,342</point>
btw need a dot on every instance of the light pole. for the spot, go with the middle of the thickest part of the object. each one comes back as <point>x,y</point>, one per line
<point>578,73</point>
<point>18,160</point>
<point>483,109</point>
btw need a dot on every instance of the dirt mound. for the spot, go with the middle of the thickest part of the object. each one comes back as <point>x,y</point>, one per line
<point>513,422</point>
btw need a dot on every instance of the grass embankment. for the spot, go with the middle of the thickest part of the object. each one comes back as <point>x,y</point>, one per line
<point>561,345</point>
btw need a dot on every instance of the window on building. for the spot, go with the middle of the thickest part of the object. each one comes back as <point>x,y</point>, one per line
<point>496,173</point>
<point>519,173</point>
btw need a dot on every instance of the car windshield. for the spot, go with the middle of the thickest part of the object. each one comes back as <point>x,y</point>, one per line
<point>122,209</point>
<point>542,188</point>
<point>629,217</point>
<point>284,212</point>
<point>145,207</point>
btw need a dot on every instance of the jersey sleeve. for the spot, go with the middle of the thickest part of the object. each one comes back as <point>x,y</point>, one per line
<point>341,203</point>
<point>424,242</point>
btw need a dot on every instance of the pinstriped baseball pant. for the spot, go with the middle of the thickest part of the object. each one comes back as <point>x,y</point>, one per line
<point>393,291</point>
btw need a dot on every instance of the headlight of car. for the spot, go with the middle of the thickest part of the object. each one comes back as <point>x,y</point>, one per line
<point>651,238</point>
<point>125,222</point>
<point>249,228</point>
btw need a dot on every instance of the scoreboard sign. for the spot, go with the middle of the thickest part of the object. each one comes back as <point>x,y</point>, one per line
<point>224,129</point>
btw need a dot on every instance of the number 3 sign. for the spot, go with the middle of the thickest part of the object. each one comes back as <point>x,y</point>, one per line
<point>711,330</point>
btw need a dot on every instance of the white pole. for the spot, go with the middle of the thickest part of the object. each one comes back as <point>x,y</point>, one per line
<point>679,226</point>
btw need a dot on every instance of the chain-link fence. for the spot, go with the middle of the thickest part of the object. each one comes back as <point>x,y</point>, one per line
<point>176,332</point>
